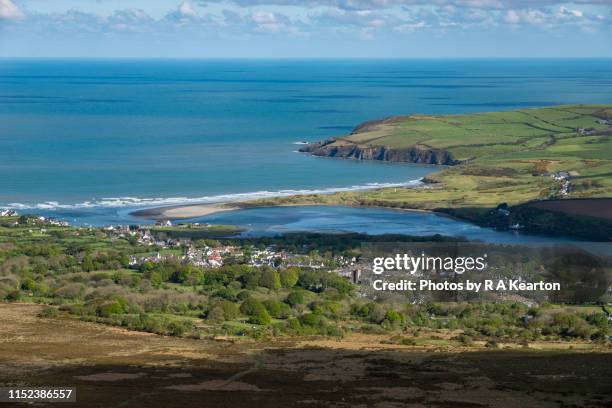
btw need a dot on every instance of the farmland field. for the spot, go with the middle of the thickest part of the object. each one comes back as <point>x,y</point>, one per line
<point>483,131</point>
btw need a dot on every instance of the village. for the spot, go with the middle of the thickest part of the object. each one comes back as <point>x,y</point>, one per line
<point>213,254</point>
<point>208,254</point>
<point>38,220</point>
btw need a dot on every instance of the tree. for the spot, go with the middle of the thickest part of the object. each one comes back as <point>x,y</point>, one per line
<point>88,264</point>
<point>250,305</point>
<point>295,298</point>
<point>216,314</point>
<point>13,296</point>
<point>261,317</point>
<point>270,279</point>
<point>289,277</point>
<point>109,308</point>
<point>313,320</point>
<point>277,309</point>
<point>256,311</point>
<point>393,318</point>
<point>250,279</point>
<point>177,328</point>
<point>229,309</point>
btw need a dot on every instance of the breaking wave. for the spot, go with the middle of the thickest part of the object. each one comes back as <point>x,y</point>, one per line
<point>136,202</point>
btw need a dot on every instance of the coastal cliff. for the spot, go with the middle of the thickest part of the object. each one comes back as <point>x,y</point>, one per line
<point>347,150</point>
<point>355,147</point>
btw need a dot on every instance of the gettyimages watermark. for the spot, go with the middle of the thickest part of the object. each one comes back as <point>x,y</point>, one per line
<point>476,271</point>
<point>458,265</point>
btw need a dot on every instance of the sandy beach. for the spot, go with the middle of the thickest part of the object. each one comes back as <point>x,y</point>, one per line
<point>182,211</point>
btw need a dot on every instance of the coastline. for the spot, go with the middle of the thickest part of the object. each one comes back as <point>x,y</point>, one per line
<point>186,211</point>
<point>181,212</point>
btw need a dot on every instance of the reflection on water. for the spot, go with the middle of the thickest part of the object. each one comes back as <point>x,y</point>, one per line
<point>374,221</point>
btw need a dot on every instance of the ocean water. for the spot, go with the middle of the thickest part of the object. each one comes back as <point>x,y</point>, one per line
<point>88,139</point>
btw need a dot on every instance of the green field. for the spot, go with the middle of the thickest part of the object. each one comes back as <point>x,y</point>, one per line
<point>485,134</point>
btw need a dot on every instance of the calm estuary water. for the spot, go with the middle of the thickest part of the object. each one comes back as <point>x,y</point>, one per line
<point>278,220</point>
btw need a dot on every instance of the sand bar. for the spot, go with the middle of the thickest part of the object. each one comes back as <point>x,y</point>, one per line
<point>182,211</point>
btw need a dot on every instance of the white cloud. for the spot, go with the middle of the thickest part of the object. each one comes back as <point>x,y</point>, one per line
<point>131,16</point>
<point>266,21</point>
<point>264,17</point>
<point>9,11</point>
<point>386,4</point>
<point>565,12</point>
<point>547,18</point>
<point>130,20</point>
<point>185,12</point>
<point>512,17</point>
<point>410,27</point>
<point>340,18</point>
<point>185,9</point>
<point>347,19</point>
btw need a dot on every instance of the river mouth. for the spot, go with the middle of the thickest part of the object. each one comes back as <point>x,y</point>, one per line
<point>279,220</point>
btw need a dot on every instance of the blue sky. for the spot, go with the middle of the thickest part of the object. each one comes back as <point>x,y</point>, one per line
<point>305,28</point>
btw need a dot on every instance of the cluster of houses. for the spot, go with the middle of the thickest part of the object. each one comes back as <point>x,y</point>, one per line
<point>8,213</point>
<point>39,221</point>
<point>586,131</point>
<point>203,257</point>
<point>33,220</point>
<point>592,131</point>
<point>136,261</point>
<point>124,231</point>
<point>565,178</point>
<point>208,257</point>
<point>353,273</point>
<point>214,257</point>
<point>52,221</point>
<point>273,257</point>
<point>144,236</point>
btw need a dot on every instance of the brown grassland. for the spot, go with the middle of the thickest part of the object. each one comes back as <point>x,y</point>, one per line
<point>112,367</point>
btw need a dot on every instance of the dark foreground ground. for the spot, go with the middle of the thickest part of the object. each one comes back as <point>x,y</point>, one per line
<point>115,368</point>
<point>598,207</point>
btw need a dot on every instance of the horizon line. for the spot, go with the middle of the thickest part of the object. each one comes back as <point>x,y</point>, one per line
<point>301,58</point>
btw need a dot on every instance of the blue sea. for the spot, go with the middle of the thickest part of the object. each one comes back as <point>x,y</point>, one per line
<point>90,140</point>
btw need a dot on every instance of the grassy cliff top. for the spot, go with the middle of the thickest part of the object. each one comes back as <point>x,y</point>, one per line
<point>492,133</point>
